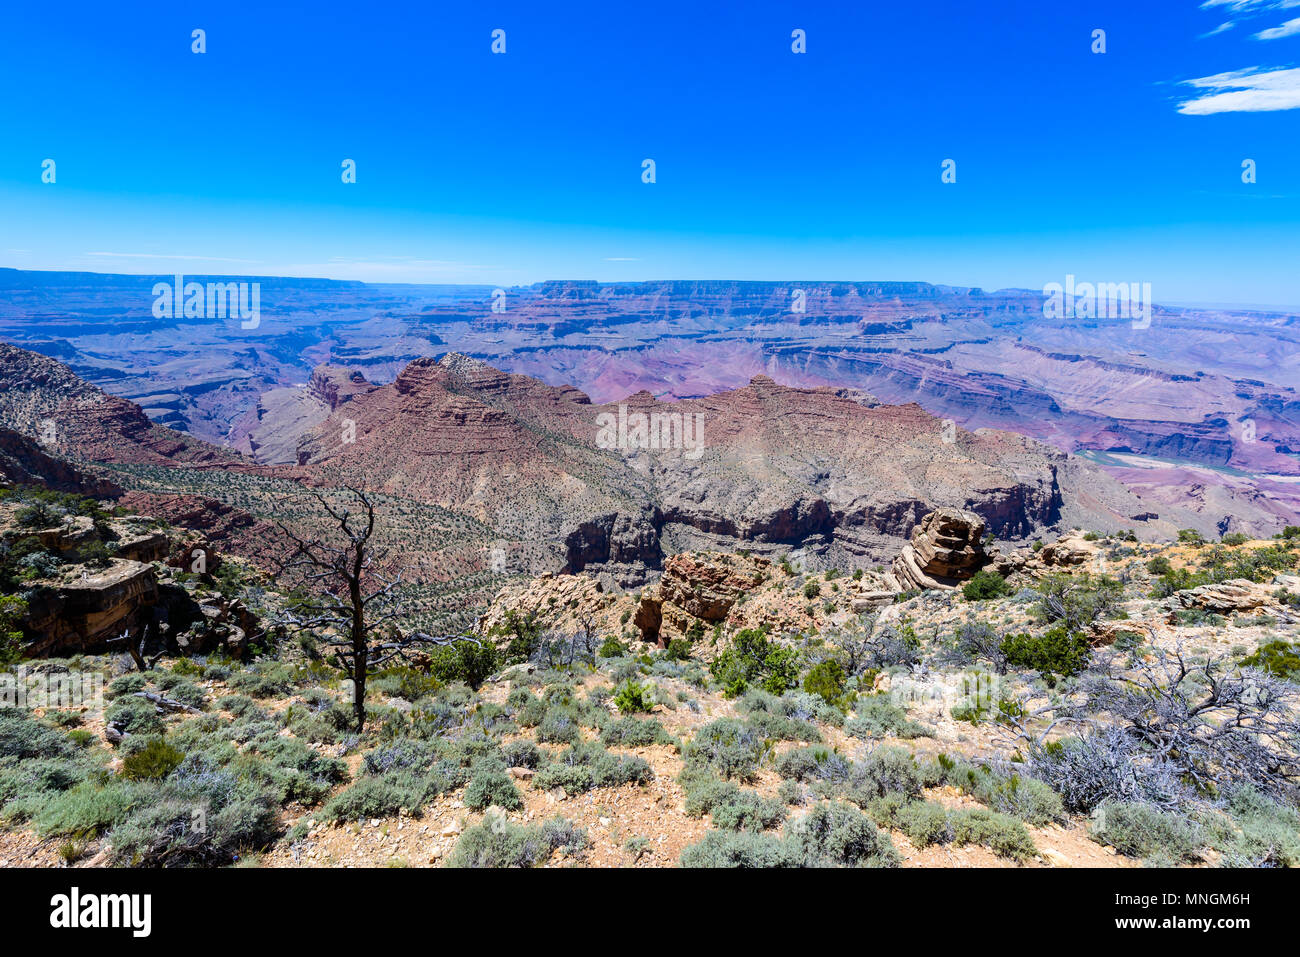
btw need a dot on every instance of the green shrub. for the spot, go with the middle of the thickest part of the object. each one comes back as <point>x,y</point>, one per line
<point>1258,833</point>
<point>155,760</point>
<point>530,712</point>
<point>1276,657</point>
<point>465,661</point>
<point>1159,565</point>
<point>211,819</point>
<point>635,733</point>
<point>838,834</point>
<point>1019,796</point>
<point>23,737</point>
<point>875,716</point>
<point>1142,830</point>
<point>827,681</point>
<point>736,849</point>
<point>186,692</point>
<point>727,746</point>
<point>86,810</point>
<point>264,681</point>
<point>586,766</point>
<point>1178,579</point>
<point>38,514</point>
<point>521,754</point>
<point>925,823</point>
<point>744,810</point>
<point>401,786</point>
<point>634,698</point>
<point>127,684</point>
<point>984,585</point>
<point>134,715</point>
<point>611,647</point>
<point>678,649</point>
<point>491,785</point>
<point>13,610</point>
<point>752,657</point>
<point>1056,652</point>
<point>780,727</point>
<point>1077,601</point>
<point>810,764</point>
<point>524,633</point>
<point>499,843</point>
<point>562,725</point>
<point>885,770</point>
<point>704,790</point>
<point>1003,835</point>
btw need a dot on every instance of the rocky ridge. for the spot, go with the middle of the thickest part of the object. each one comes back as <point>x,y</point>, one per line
<point>826,471</point>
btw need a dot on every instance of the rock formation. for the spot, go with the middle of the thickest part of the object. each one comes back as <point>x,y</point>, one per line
<point>696,587</point>
<point>83,614</point>
<point>43,399</point>
<point>24,462</point>
<point>946,549</point>
<point>565,603</point>
<point>612,488</point>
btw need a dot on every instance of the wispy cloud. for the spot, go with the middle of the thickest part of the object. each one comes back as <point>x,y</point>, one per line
<point>1290,28</point>
<point>1226,25</point>
<point>1249,6</point>
<point>1252,90</point>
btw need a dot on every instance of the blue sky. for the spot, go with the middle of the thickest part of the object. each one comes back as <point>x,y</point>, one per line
<point>504,169</point>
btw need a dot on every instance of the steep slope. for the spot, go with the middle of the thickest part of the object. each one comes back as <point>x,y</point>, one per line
<point>283,415</point>
<point>24,462</point>
<point>44,400</point>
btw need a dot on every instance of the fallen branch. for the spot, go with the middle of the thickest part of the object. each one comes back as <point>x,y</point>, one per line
<point>166,704</point>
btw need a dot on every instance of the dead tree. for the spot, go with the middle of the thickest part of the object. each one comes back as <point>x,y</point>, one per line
<point>137,651</point>
<point>354,600</point>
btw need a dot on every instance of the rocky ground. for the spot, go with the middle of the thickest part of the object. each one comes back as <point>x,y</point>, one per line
<point>639,719</point>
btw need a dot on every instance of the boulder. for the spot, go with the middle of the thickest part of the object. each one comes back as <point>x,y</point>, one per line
<point>1067,551</point>
<point>1234,595</point>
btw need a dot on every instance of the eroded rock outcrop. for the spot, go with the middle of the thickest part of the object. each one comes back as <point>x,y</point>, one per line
<point>566,603</point>
<point>946,549</point>
<point>696,587</point>
<point>81,615</point>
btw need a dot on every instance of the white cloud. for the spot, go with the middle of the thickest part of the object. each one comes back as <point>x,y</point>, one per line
<point>1290,28</point>
<point>1250,6</point>
<point>1245,91</point>
<point>1226,25</point>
